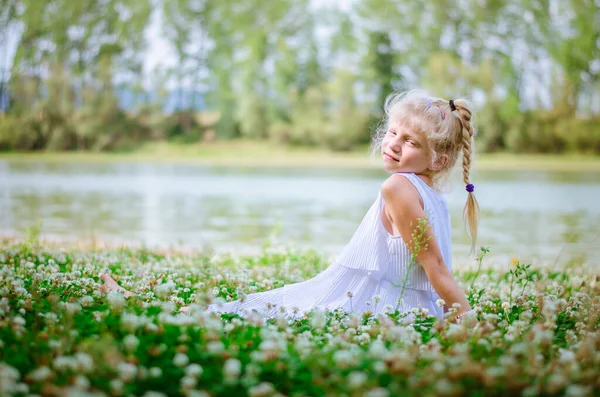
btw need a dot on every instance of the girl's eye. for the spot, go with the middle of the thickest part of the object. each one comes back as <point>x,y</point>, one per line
<point>392,132</point>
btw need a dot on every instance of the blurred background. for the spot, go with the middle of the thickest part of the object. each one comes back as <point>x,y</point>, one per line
<point>229,124</point>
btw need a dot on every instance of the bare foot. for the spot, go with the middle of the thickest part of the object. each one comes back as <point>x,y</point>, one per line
<point>185,310</point>
<point>111,285</point>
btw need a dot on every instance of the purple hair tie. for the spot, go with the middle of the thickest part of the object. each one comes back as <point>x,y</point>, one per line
<point>428,102</point>
<point>470,188</point>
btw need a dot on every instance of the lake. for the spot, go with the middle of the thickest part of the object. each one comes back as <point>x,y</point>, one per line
<point>538,216</point>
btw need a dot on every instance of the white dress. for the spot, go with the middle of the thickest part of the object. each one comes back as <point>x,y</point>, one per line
<point>373,263</point>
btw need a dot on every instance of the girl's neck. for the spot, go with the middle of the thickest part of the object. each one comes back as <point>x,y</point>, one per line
<point>426,177</point>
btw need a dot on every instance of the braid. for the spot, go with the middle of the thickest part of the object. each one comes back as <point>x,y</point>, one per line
<point>471,206</point>
<point>467,135</point>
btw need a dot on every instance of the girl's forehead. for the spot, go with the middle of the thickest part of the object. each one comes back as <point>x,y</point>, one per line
<point>404,126</point>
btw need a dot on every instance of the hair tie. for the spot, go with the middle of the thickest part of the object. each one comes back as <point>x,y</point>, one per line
<point>470,188</point>
<point>452,107</point>
<point>428,102</point>
<point>442,113</point>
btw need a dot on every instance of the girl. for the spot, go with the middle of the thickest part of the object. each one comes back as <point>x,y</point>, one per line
<point>400,255</point>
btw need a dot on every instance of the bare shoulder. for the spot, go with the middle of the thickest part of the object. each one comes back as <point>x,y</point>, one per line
<point>397,190</point>
<point>398,186</point>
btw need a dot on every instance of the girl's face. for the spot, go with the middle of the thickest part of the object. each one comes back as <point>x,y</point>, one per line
<point>403,150</point>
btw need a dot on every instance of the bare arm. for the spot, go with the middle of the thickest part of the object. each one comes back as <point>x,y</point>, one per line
<point>403,205</point>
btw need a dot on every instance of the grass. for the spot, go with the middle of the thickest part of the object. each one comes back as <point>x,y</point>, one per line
<point>535,331</point>
<point>249,154</point>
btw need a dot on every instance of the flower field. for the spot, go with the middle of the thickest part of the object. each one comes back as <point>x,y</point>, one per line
<point>535,331</point>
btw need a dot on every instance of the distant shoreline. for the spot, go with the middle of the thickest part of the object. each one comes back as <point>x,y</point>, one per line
<point>253,154</point>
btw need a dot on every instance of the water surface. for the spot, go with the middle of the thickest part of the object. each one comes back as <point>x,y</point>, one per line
<point>531,216</point>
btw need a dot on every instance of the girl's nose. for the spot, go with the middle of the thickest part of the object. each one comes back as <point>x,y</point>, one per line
<point>395,145</point>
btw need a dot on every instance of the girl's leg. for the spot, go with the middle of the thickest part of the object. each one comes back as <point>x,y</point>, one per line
<point>111,285</point>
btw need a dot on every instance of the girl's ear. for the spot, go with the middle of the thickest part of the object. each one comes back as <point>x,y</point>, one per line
<point>440,162</point>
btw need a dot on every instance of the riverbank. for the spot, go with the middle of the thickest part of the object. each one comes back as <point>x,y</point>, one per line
<point>254,154</point>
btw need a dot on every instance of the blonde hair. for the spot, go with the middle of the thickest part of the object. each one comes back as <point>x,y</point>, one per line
<point>448,132</point>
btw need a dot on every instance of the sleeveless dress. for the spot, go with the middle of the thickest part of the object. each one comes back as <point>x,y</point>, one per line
<point>374,262</point>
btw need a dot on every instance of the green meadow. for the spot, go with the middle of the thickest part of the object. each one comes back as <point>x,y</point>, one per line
<point>535,330</point>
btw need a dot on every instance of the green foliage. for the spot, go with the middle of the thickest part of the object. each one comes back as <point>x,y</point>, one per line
<point>553,132</point>
<point>473,300</point>
<point>182,127</point>
<point>18,134</point>
<point>519,276</point>
<point>275,70</point>
<point>418,242</point>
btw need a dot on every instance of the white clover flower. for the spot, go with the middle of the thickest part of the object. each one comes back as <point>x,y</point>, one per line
<point>8,378</point>
<point>505,305</point>
<point>130,342</point>
<point>188,382</point>
<point>229,327</point>
<point>557,381</point>
<point>318,320</point>
<point>81,382</point>
<point>215,347</point>
<point>40,374</point>
<point>63,363</point>
<point>378,349</point>
<point>444,387</point>
<point>440,302</point>
<point>18,321</point>
<point>181,360</point>
<point>87,301</point>
<point>127,372</point>
<point>155,372</point>
<point>377,392</point>
<point>98,316</point>
<point>168,307</point>
<point>130,322</point>
<point>232,368</point>
<point>72,308</point>
<point>84,361</point>
<point>260,390</point>
<point>363,338</point>
<point>194,370</point>
<point>116,301</point>
<point>566,356</point>
<point>268,345</point>
<point>116,386</point>
<point>356,379</point>
<point>345,358</point>
<point>54,344</point>
<point>578,391</point>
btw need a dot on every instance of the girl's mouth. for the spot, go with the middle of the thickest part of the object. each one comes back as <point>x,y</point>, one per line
<point>389,157</point>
